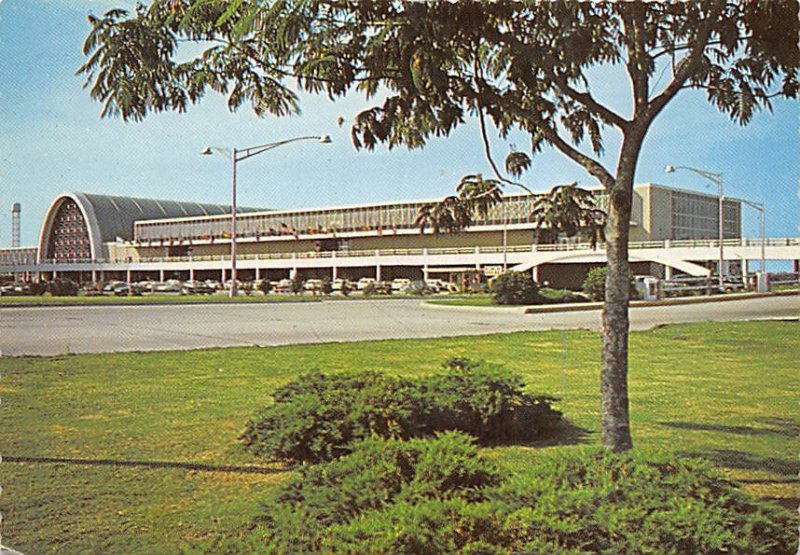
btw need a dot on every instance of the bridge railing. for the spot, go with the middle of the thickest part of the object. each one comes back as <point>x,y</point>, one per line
<point>28,255</point>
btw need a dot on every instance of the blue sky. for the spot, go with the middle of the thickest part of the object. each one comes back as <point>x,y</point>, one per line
<point>52,140</point>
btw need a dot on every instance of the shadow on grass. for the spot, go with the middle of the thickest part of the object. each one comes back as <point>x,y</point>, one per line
<point>741,460</point>
<point>784,427</point>
<point>565,433</point>
<point>149,464</point>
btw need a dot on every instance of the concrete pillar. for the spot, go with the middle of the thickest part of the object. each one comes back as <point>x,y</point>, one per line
<point>128,275</point>
<point>425,272</point>
<point>378,272</point>
<point>477,258</point>
<point>191,274</point>
<point>293,273</point>
<point>102,275</point>
<point>94,275</point>
<point>537,274</point>
<point>667,272</point>
<point>744,271</point>
<point>55,274</point>
<point>334,273</point>
<point>222,273</point>
<point>161,274</point>
<point>258,273</point>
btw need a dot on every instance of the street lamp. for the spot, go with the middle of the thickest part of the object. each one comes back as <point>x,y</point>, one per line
<point>237,155</point>
<point>714,178</point>
<point>762,216</point>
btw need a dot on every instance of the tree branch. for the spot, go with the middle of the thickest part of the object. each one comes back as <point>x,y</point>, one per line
<point>588,101</point>
<point>595,168</point>
<point>685,68</point>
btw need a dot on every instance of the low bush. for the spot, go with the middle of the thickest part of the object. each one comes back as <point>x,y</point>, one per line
<point>37,288</point>
<point>318,510</point>
<point>594,286</point>
<point>317,417</point>
<point>439,496</point>
<point>63,287</point>
<point>486,403</point>
<point>515,288</point>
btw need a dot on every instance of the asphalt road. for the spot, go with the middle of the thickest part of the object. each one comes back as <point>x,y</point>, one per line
<point>58,330</point>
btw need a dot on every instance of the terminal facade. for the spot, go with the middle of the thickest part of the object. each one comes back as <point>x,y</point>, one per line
<point>91,237</point>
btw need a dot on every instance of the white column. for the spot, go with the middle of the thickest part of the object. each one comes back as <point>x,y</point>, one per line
<point>477,258</point>
<point>536,274</point>
<point>377,265</point>
<point>258,273</point>
<point>160,274</point>
<point>667,272</point>
<point>223,275</point>
<point>128,275</point>
<point>191,273</point>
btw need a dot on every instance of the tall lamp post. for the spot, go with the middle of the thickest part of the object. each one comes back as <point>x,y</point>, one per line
<point>237,155</point>
<point>717,179</point>
<point>762,216</point>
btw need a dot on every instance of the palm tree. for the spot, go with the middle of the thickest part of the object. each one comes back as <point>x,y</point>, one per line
<point>570,210</point>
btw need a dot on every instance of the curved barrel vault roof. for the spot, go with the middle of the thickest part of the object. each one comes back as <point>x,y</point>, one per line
<point>108,218</point>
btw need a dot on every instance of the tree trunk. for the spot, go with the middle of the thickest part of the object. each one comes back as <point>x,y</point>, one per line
<point>616,432</point>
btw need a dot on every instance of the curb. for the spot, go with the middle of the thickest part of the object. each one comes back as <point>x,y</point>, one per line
<point>577,307</point>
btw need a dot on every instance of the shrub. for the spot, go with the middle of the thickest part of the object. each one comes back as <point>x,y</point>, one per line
<point>62,287</point>
<point>439,496</point>
<point>326,288</point>
<point>631,503</point>
<point>315,511</point>
<point>594,286</point>
<point>485,402</point>
<point>514,288</point>
<point>317,417</point>
<point>37,288</point>
<point>265,286</point>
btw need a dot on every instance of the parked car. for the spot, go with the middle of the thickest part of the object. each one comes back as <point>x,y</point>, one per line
<point>284,286</point>
<point>194,287</point>
<point>399,284</point>
<point>312,285</point>
<point>364,282</point>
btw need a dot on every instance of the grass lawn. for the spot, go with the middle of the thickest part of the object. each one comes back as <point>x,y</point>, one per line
<point>161,428</point>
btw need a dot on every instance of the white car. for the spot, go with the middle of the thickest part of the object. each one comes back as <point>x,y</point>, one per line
<point>400,284</point>
<point>312,285</point>
<point>364,282</point>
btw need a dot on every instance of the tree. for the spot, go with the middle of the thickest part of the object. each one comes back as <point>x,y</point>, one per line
<point>525,66</point>
<point>571,210</point>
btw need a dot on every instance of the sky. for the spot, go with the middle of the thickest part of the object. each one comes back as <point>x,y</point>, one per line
<point>52,140</point>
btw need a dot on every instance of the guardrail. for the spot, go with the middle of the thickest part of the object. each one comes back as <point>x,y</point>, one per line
<point>572,246</point>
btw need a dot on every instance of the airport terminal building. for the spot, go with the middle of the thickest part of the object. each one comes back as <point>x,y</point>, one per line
<point>93,237</point>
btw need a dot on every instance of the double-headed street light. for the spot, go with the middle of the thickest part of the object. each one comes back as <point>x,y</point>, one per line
<point>717,179</point>
<point>237,155</point>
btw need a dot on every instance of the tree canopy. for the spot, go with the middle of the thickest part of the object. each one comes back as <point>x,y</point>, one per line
<point>428,66</point>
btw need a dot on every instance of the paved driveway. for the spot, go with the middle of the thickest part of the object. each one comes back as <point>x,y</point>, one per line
<point>57,330</point>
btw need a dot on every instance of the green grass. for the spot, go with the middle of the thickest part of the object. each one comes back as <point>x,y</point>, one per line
<point>725,391</point>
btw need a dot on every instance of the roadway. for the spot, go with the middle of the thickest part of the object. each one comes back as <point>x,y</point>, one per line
<point>51,331</point>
